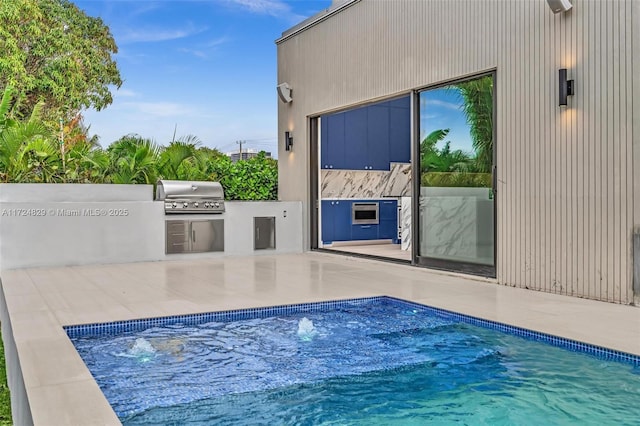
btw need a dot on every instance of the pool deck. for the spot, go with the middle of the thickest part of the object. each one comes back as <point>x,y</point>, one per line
<point>61,391</point>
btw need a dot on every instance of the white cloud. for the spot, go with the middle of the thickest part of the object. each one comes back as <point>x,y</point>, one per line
<point>263,7</point>
<point>442,104</point>
<point>145,35</point>
<point>194,52</point>
<point>143,8</point>
<point>276,8</point>
<point>205,50</point>
<point>125,93</point>
<point>217,41</point>
<point>158,109</point>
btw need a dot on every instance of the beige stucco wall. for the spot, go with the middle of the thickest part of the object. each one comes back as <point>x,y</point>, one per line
<point>568,197</point>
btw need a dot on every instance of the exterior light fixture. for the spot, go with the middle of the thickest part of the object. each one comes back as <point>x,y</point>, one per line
<point>288,141</point>
<point>558,6</point>
<point>284,92</point>
<point>565,87</point>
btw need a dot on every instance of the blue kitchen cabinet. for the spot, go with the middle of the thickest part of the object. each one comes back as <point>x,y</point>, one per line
<point>388,209</point>
<point>378,137</point>
<point>388,230</point>
<point>342,224</point>
<point>336,220</point>
<point>332,141</point>
<point>328,220</point>
<point>400,135</point>
<point>388,213</point>
<point>367,138</point>
<point>355,137</point>
<point>324,142</point>
<point>364,232</point>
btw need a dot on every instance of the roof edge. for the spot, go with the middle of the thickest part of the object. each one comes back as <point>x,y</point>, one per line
<point>315,19</point>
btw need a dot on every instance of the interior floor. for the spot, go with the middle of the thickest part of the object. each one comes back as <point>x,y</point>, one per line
<point>388,250</point>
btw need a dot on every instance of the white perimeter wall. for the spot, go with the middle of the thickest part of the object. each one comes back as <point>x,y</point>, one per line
<point>568,179</point>
<point>64,224</point>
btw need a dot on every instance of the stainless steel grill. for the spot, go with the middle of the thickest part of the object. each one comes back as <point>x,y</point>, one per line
<point>190,196</point>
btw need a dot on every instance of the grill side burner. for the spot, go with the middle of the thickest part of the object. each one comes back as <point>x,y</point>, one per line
<point>190,196</point>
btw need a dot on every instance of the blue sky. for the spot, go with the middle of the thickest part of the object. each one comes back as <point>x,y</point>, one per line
<point>442,109</point>
<point>207,66</point>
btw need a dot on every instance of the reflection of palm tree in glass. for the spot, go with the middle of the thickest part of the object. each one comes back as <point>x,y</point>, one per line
<point>477,96</point>
<point>433,159</point>
<point>446,167</point>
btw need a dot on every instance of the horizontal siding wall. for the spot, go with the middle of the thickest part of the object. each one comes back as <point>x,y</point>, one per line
<point>566,187</point>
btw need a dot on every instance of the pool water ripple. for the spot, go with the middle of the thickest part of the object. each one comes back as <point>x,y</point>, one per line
<point>368,364</point>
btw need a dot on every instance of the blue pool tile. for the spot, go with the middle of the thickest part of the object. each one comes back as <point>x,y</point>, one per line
<point>119,327</point>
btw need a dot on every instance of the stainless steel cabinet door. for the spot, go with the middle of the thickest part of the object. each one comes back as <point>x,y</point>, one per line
<point>177,236</point>
<point>207,235</point>
<point>264,233</point>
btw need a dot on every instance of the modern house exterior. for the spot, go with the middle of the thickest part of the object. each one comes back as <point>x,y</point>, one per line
<point>546,195</point>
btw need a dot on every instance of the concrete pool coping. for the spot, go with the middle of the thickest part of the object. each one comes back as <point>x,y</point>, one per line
<point>60,390</point>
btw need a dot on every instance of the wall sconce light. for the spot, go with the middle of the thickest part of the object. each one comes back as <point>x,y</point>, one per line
<point>288,140</point>
<point>565,87</point>
<point>558,6</point>
<point>284,92</point>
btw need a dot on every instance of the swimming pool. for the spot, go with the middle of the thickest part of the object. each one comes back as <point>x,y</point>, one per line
<point>364,361</point>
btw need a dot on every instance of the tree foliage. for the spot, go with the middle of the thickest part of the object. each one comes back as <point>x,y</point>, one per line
<point>442,166</point>
<point>133,159</point>
<point>252,179</point>
<point>477,95</point>
<point>53,52</point>
<point>445,167</point>
<point>29,152</point>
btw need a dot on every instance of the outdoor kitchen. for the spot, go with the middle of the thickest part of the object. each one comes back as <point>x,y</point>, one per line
<point>77,224</point>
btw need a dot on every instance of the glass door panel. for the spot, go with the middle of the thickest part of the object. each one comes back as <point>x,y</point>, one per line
<point>456,198</point>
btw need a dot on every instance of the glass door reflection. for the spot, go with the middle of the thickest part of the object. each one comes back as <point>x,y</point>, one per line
<point>456,197</point>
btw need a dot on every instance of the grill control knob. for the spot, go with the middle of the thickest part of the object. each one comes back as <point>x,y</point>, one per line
<point>174,205</point>
<point>195,204</point>
<point>185,204</point>
<point>217,204</point>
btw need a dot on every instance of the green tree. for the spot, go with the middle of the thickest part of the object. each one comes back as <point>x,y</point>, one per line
<point>5,108</point>
<point>26,153</point>
<point>53,52</point>
<point>86,162</point>
<point>434,159</point>
<point>180,159</point>
<point>477,95</point>
<point>252,179</point>
<point>133,159</point>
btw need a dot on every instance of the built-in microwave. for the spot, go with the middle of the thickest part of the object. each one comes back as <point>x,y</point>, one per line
<point>364,213</point>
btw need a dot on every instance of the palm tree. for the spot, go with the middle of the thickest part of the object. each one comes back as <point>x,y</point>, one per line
<point>5,108</point>
<point>26,150</point>
<point>177,160</point>
<point>41,163</point>
<point>133,160</point>
<point>433,159</point>
<point>86,163</point>
<point>477,95</point>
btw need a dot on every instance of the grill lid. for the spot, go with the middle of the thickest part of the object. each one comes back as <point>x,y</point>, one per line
<point>190,196</point>
<point>185,189</point>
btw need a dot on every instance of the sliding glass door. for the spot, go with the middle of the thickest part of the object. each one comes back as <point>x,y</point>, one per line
<point>456,208</point>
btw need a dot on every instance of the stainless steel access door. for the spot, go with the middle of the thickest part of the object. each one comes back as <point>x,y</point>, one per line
<point>264,233</point>
<point>207,235</point>
<point>177,236</point>
<point>194,236</point>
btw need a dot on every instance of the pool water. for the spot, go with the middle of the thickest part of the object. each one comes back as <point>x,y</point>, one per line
<point>383,362</point>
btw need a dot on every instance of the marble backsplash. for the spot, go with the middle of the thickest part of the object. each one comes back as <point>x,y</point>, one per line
<point>366,183</point>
